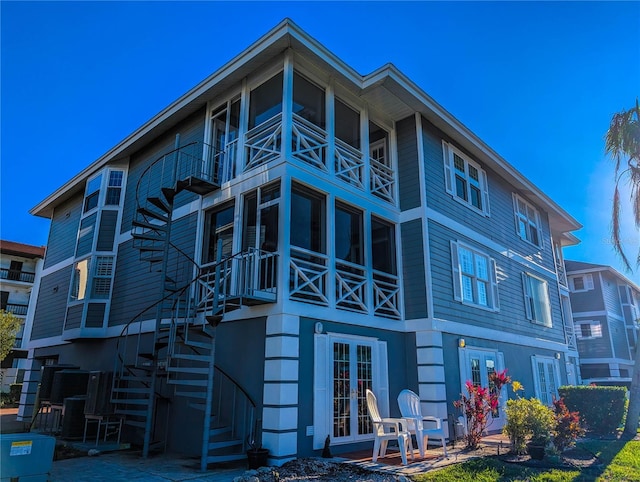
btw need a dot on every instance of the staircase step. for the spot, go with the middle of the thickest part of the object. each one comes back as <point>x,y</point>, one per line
<point>198,406</point>
<point>168,193</point>
<point>148,237</point>
<point>194,370</point>
<point>224,443</point>
<point>135,423</point>
<point>147,213</point>
<point>153,227</point>
<point>200,395</point>
<point>132,413</point>
<point>160,204</point>
<point>133,401</point>
<point>130,390</point>
<point>188,383</point>
<point>200,358</point>
<point>135,378</point>
<point>219,431</point>
<point>212,459</point>
<point>198,344</point>
<point>146,356</point>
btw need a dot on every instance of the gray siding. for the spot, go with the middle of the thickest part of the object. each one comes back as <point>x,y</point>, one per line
<point>74,317</point>
<point>597,347</point>
<point>107,231</point>
<point>95,315</point>
<point>137,284</point>
<point>408,171</point>
<point>192,129</point>
<point>619,339</point>
<point>591,300</point>
<point>415,295</point>
<point>63,232</point>
<point>51,306</point>
<point>512,315</point>
<point>500,226</point>
<point>85,235</point>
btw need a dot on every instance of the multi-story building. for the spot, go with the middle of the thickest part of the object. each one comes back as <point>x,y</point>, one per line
<point>19,264</point>
<point>286,235</point>
<point>606,317</point>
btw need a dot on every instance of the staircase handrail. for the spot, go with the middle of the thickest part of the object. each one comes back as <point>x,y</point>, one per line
<point>240,387</point>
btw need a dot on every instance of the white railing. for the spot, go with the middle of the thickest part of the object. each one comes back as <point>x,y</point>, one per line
<point>351,287</point>
<point>264,142</point>
<point>349,164</point>
<point>225,161</point>
<point>308,274</point>
<point>309,142</point>
<point>386,295</point>
<point>382,180</point>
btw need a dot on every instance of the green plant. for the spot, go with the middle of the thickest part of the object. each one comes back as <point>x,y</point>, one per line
<point>516,427</point>
<point>568,427</point>
<point>541,422</point>
<point>9,327</point>
<point>601,408</point>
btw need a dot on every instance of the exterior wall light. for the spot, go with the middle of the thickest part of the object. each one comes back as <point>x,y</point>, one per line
<point>461,343</point>
<point>557,355</point>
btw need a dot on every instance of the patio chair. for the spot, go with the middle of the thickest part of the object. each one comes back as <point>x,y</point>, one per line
<point>409,404</point>
<point>385,429</point>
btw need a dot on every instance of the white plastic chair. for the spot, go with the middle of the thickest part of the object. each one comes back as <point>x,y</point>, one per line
<point>385,429</point>
<point>409,404</point>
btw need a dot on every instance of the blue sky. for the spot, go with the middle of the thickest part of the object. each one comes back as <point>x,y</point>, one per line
<point>537,81</point>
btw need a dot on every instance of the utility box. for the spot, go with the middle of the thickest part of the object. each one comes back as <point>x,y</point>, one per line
<point>26,457</point>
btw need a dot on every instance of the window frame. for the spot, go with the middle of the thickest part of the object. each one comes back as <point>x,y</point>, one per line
<point>493,300</point>
<point>529,300</point>
<point>450,179</point>
<point>525,219</point>
<point>591,324</point>
<point>587,283</point>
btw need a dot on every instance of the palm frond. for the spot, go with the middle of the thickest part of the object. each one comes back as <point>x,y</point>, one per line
<point>615,229</point>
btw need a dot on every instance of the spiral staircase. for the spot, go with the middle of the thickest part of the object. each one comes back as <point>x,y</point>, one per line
<point>178,358</point>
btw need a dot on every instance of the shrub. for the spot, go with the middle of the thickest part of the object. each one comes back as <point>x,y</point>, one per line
<point>516,427</point>
<point>568,427</point>
<point>601,408</point>
<point>541,422</point>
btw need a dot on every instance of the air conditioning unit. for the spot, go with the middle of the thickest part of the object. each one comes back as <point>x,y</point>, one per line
<point>99,394</point>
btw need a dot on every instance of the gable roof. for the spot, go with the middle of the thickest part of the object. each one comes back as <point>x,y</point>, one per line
<point>403,99</point>
<point>579,267</point>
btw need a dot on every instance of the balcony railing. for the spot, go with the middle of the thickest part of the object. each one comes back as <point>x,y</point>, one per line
<point>16,308</point>
<point>351,287</point>
<point>382,180</point>
<point>308,274</point>
<point>17,275</point>
<point>386,295</point>
<point>309,142</point>
<point>349,164</point>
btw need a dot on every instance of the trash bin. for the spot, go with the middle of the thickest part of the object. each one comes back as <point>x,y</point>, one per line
<point>26,457</point>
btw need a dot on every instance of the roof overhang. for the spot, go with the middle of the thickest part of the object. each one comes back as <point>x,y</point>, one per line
<point>385,83</point>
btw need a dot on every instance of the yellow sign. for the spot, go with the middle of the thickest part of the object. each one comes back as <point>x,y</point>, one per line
<point>21,448</point>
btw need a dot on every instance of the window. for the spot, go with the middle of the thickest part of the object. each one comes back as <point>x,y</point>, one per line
<point>265,101</point>
<point>582,283</point>
<point>349,242</point>
<point>383,246</point>
<point>474,277</point>
<point>260,229</point>
<point>92,278</point>
<point>114,180</point>
<point>527,221</point>
<point>114,188</point>
<point>465,180</point>
<point>347,124</point>
<point>92,195</point>
<point>218,230</point>
<point>308,101</point>
<point>308,213</point>
<point>588,330</point>
<point>102,277</point>
<point>536,294</point>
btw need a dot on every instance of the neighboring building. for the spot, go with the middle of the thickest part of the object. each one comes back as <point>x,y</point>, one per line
<point>342,232</point>
<point>606,317</point>
<point>19,264</point>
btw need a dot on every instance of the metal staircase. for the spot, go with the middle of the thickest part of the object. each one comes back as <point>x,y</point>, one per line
<point>178,358</point>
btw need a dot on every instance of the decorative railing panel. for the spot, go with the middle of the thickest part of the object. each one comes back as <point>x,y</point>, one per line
<point>17,309</point>
<point>386,295</point>
<point>382,180</point>
<point>349,164</point>
<point>309,142</point>
<point>308,275</point>
<point>17,275</point>
<point>264,142</point>
<point>351,287</point>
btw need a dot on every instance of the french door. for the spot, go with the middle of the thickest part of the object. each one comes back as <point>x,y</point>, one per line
<point>477,365</point>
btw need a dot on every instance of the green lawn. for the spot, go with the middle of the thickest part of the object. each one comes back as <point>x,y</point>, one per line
<point>620,462</point>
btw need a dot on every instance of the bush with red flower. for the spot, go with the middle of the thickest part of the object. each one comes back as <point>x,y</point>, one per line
<point>480,404</point>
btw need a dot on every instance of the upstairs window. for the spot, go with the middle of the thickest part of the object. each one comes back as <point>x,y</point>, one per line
<point>474,277</point>
<point>92,196</point>
<point>349,242</point>
<point>92,278</point>
<point>110,182</point>
<point>581,283</point>
<point>347,124</point>
<point>218,233</point>
<point>308,101</point>
<point>383,246</point>
<point>536,294</point>
<point>528,223</point>
<point>465,180</point>
<point>265,101</point>
<point>114,187</point>
<point>308,219</point>
<point>588,330</point>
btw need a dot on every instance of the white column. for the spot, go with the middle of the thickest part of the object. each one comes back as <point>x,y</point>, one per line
<point>29,389</point>
<point>431,376</point>
<point>280,396</point>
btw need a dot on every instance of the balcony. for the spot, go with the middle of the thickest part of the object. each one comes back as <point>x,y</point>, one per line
<point>16,308</point>
<point>17,275</point>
